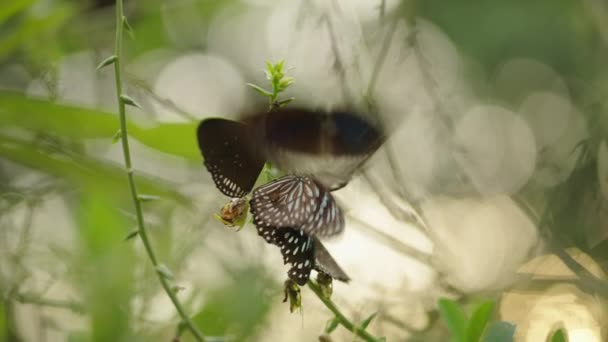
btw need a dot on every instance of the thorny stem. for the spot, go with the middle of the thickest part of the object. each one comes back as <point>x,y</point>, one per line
<point>143,234</point>
<point>345,322</point>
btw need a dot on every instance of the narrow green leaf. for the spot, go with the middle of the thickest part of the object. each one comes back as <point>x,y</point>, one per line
<point>164,271</point>
<point>368,320</point>
<point>268,74</point>
<point>479,320</point>
<point>147,198</point>
<point>281,103</point>
<point>454,318</point>
<point>177,288</point>
<point>128,27</point>
<point>131,235</point>
<point>107,61</point>
<point>129,101</point>
<point>499,332</point>
<point>558,335</point>
<point>81,123</point>
<point>260,89</point>
<point>331,325</point>
<point>116,137</point>
<point>286,82</point>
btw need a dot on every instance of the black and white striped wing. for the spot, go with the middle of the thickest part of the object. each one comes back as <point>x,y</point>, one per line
<point>328,219</point>
<point>286,201</point>
<point>297,201</point>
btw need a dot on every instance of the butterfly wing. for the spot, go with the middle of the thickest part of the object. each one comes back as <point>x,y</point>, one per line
<point>332,146</point>
<point>285,202</point>
<point>328,219</point>
<point>298,250</point>
<point>337,133</point>
<point>229,156</point>
<point>303,253</point>
<point>297,201</point>
<point>325,263</point>
<point>269,233</point>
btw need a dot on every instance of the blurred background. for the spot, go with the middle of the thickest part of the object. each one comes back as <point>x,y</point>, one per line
<point>493,184</point>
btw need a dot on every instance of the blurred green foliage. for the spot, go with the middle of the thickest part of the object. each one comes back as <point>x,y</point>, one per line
<point>107,266</point>
<point>558,33</point>
<point>477,327</point>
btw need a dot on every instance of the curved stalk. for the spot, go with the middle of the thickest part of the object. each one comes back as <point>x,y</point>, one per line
<point>141,228</point>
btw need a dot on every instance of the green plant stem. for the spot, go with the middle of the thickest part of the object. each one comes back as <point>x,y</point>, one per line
<point>143,234</point>
<point>345,322</point>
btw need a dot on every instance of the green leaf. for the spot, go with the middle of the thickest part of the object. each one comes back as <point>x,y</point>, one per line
<point>131,234</point>
<point>41,115</point>
<point>107,61</point>
<point>331,325</point>
<point>479,320</point>
<point>164,271</point>
<point>81,171</point>
<point>499,332</point>
<point>147,198</point>
<point>281,103</point>
<point>269,66</point>
<point>177,288</point>
<point>128,27</point>
<point>454,318</point>
<point>129,101</point>
<point>101,251</point>
<point>368,320</point>
<point>239,306</point>
<point>260,90</point>
<point>286,82</point>
<point>116,137</point>
<point>558,335</point>
<point>35,28</point>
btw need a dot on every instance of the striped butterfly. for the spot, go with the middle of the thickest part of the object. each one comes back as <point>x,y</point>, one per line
<point>303,252</point>
<point>297,201</point>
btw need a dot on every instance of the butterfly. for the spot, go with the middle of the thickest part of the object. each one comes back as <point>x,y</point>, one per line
<point>297,201</point>
<point>228,155</point>
<point>331,146</point>
<point>303,252</point>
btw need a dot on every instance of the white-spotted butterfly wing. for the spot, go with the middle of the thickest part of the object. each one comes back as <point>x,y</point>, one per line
<point>229,156</point>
